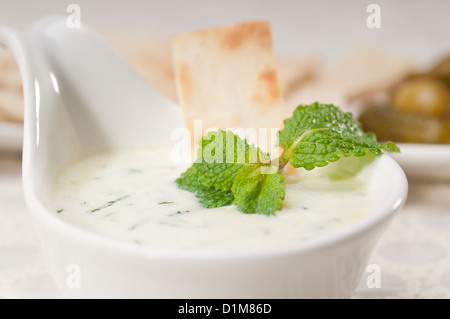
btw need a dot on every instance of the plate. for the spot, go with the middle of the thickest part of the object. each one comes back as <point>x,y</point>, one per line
<point>11,136</point>
<point>424,161</point>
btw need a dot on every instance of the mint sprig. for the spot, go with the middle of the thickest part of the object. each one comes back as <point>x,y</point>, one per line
<point>259,189</point>
<point>230,171</point>
<point>318,134</point>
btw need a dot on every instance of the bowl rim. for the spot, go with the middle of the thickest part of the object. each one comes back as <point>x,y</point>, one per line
<point>64,228</point>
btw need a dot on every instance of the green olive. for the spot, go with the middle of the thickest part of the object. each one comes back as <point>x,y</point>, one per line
<point>424,96</point>
<point>441,70</point>
<point>390,124</point>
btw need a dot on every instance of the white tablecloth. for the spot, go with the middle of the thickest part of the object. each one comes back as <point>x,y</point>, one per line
<point>413,256</point>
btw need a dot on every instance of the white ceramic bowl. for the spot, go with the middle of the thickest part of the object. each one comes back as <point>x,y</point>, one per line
<point>80,95</point>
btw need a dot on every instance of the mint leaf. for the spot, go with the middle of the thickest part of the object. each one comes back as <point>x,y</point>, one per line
<point>318,134</point>
<point>229,171</point>
<point>209,197</point>
<point>218,175</point>
<point>222,156</point>
<point>226,147</point>
<point>257,190</point>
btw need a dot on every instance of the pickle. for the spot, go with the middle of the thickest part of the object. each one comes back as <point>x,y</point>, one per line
<point>391,124</point>
<point>441,71</point>
<point>417,111</point>
<point>423,96</point>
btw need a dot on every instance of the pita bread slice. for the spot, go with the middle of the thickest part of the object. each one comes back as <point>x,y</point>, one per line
<point>11,97</point>
<point>150,55</point>
<point>315,91</point>
<point>295,72</point>
<point>227,78</point>
<point>365,71</point>
<point>11,106</point>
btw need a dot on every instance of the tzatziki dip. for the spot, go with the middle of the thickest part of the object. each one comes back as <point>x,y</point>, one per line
<point>131,195</point>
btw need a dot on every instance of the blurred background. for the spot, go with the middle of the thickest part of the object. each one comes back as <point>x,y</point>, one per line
<point>412,28</point>
<point>334,51</point>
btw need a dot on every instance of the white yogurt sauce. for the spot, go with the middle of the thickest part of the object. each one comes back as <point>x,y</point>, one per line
<point>131,195</point>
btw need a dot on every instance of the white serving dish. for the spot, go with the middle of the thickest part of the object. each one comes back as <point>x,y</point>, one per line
<point>424,161</point>
<point>79,95</point>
